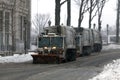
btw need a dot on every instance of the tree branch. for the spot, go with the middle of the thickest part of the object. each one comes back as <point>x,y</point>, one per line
<point>94,15</point>
<point>63,2</point>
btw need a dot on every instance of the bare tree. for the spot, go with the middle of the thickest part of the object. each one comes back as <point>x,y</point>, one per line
<point>100,6</point>
<point>82,9</point>
<point>39,22</point>
<point>92,5</point>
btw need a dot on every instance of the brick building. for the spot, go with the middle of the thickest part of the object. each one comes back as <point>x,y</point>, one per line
<point>15,17</point>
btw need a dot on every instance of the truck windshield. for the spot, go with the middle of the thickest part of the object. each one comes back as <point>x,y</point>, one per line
<point>44,42</point>
<point>50,42</point>
<point>56,41</point>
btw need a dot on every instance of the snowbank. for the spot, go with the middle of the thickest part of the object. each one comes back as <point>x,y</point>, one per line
<point>111,46</point>
<point>111,72</point>
<point>16,58</point>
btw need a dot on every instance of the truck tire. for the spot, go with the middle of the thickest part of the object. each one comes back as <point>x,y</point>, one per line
<point>57,60</point>
<point>97,47</point>
<point>70,55</point>
<point>87,51</point>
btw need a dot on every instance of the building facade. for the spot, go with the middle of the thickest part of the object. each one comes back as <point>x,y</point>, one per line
<point>15,19</point>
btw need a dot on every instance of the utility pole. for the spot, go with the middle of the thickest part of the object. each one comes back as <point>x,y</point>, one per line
<point>117,22</point>
<point>68,12</point>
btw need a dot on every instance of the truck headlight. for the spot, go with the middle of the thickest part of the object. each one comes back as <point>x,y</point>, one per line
<point>45,47</point>
<point>53,47</point>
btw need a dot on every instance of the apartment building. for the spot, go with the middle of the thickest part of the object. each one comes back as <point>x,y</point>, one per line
<point>15,24</point>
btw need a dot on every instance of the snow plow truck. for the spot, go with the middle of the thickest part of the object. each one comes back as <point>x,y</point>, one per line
<point>65,43</point>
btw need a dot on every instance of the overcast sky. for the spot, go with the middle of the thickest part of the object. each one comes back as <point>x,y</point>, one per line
<point>48,6</point>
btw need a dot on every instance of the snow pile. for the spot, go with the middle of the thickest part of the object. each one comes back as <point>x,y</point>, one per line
<point>111,46</point>
<point>111,72</point>
<point>16,58</point>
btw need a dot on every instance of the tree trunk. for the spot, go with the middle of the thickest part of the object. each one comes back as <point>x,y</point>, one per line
<point>90,14</point>
<point>117,23</point>
<point>80,16</point>
<point>68,12</point>
<point>57,12</point>
<point>99,24</point>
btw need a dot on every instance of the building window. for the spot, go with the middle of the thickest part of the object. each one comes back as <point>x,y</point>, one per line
<point>7,24</point>
<point>7,18</point>
<point>24,36</point>
<point>21,27</point>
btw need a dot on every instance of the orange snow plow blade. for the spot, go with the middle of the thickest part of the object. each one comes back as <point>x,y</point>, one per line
<point>50,58</point>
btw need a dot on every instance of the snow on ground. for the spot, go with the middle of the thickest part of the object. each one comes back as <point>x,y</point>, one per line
<point>111,46</point>
<point>111,71</point>
<point>16,58</point>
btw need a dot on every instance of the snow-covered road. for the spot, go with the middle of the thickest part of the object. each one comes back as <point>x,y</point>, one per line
<point>111,71</point>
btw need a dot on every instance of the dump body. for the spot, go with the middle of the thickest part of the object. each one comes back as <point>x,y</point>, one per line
<point>88,41</point>
<point>84,42</point>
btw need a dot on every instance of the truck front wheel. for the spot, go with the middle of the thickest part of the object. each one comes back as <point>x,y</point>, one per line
<point>71,55</point>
